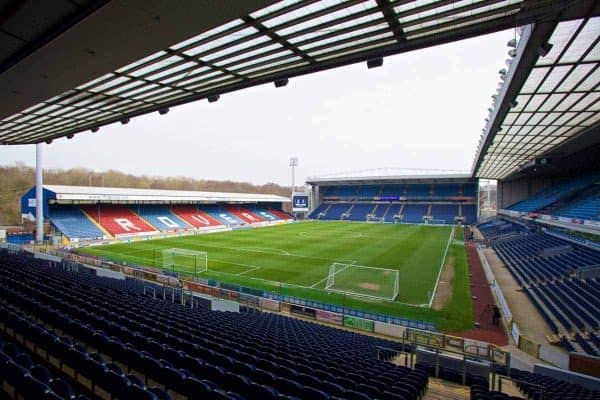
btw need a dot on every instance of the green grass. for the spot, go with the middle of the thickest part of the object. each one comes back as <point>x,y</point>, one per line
<point>294,260</point>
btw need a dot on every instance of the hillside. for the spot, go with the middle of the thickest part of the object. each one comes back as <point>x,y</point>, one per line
<point>16,179</point>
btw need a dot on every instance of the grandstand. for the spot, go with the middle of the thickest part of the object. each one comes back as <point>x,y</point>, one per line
<point>75,326</point>
<point>94,213</point>
<point>450,199</point>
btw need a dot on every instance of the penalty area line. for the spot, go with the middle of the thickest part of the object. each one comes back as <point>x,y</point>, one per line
<point>250,270</point>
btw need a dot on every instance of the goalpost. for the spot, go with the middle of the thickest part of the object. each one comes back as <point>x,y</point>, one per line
<point>359,280</point>
<point>190,262</point>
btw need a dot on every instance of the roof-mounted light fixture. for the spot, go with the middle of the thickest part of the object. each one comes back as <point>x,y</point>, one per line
<point>281,82</point>
<point>544,49</point>
<point>163,111</point>
<point>125,120</point>
<point>375,62</point>
<point>95,129</point>
<point>213,98</point>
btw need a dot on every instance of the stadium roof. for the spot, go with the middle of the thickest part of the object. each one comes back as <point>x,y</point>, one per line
<point>389,175</point>
<point>93,193</point>
<point>270,44</point>
<point>551,95</point>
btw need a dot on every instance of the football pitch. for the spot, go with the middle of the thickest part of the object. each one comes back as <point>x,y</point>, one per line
<point>296,260</point>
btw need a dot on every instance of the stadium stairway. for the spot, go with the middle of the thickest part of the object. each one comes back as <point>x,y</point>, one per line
<point>96,223</point>
<point>348,213</point>
<point>439,389</point>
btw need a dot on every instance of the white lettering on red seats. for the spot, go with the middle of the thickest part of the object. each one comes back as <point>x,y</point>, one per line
<point>126,224</point>
<point>201,219</point>
<point>249,216</point>
<point>168,222</point>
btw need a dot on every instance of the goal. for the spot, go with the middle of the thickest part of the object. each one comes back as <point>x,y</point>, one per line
<point>189,262</point>
<point>358,280</point>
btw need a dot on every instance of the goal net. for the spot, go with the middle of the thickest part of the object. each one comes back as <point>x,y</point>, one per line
<point>190,262</point>
<point>358,280</point>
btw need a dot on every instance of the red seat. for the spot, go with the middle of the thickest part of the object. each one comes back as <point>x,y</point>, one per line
<point>195,217</point>
<point>279,214</point>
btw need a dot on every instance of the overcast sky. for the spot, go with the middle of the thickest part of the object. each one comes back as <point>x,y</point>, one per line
<point>423,109</point>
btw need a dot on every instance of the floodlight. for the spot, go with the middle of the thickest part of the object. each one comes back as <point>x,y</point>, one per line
<point>48,141</point>
<point>281,82</point>
<point>125,121</point>
<point>163,111</point>
<point>512,43</point>
<point>490,109</point>
<point>213,98</point>
<point>375,62</point>
<point>512,52</point>
<point>95,129</point>
<point>514,103</point>
<point>544,49</point>
<point>502,71</point>
<point>70,136</point>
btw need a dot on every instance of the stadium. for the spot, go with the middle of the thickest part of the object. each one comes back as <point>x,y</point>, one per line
<point>392,284</point>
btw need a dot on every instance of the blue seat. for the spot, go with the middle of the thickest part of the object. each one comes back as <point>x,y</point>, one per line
<point>41,374</point>
<point>354,395</point>
<point>287,386</point>
<point>138,393</point>
<point>308,392</point>
<point>62,388</point>
<point>261,392</point>
<point>31,388</point>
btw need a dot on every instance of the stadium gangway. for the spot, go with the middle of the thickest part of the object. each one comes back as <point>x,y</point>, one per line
<point>165,288</point>
<point>501,378</point>
<point>409,350</point>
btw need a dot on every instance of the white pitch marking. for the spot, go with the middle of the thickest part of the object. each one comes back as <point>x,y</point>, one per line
<point>262,250</point>
<point>250,270</point>
<point>437,281</point>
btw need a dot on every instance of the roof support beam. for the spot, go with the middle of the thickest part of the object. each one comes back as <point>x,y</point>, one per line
<point>392,19</point>
<point>276,38</point>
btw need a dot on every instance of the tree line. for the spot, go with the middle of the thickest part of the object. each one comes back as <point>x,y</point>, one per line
<point>16,179</point>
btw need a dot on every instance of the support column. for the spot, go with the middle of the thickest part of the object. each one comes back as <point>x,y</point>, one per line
<point>39,194</point>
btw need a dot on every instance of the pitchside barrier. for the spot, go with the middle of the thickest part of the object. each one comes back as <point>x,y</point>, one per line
<point>267,300</point>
